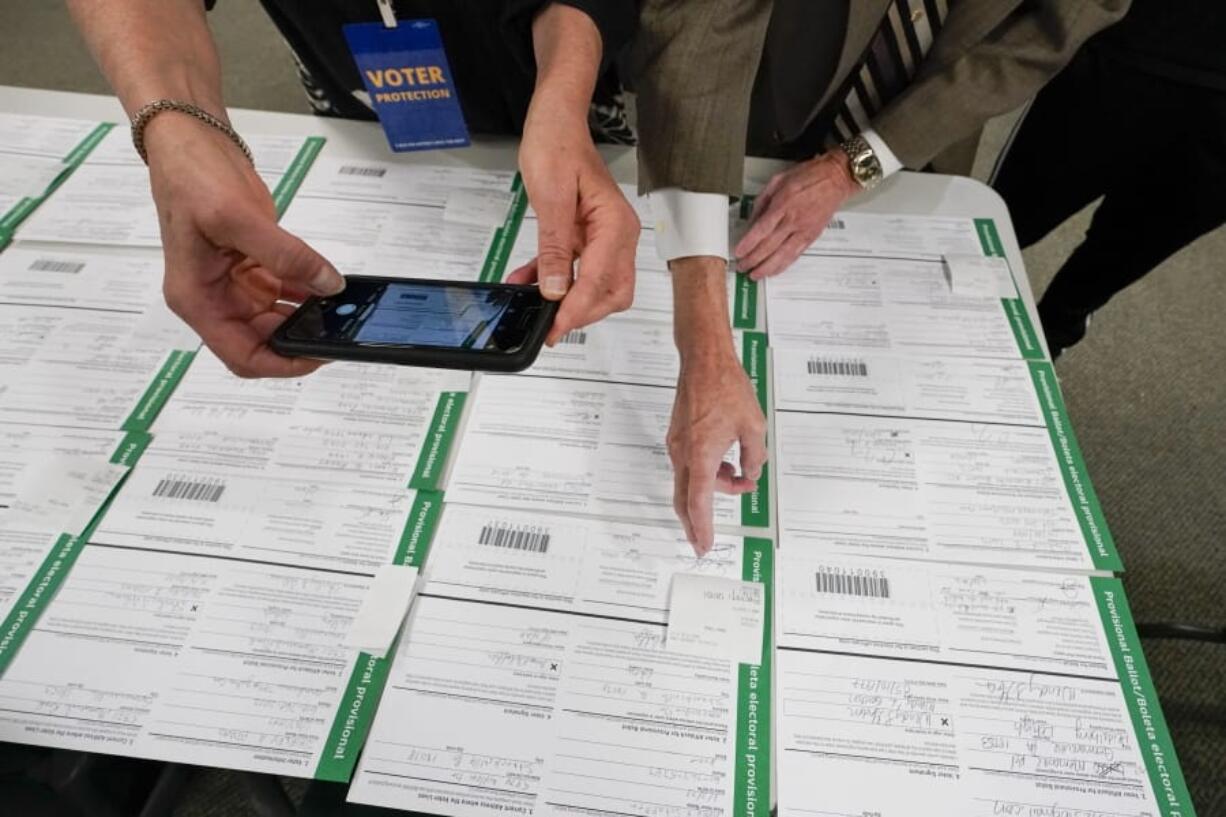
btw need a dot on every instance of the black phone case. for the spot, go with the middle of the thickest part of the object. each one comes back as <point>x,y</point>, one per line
<point>430,357</point>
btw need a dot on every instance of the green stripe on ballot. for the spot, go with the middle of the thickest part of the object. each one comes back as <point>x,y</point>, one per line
<point>751,788</point>
<point>369,676</point>
<point>159,391</point>
<point>419,529</point>
<point>38,593</point>
<point>353,720</point>
<point>744,302</point>
<point>1141,698</point>
<point>295,173</point>
<point>495,266</point>
<point>438,441</point>
<point>755,505</point>
<point>1073,469</point>
<point>989,238</point>
<point>78,154</point>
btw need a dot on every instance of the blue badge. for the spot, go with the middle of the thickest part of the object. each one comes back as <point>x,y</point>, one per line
<point>410,84</point>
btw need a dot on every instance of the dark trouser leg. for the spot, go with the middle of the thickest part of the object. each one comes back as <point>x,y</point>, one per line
<point>1134,230</point>
<point>1154,207</point>
<point>1049,172</point>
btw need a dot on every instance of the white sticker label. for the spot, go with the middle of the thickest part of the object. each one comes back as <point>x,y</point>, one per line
<point>984,276</point>
<point>61,494</point>
<point>383,610</point>
<point>716,616</point>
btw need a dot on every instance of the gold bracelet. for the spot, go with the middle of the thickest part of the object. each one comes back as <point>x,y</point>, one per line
<point>141,119</point>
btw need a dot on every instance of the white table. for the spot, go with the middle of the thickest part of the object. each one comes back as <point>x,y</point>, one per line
<point>913,193</point>
<point>906,193</point>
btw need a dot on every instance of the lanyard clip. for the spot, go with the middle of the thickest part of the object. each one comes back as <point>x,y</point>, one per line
<point>387,13</point>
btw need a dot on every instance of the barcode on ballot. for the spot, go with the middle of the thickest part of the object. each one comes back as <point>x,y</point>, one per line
<point>831,366</point>
<point>357,170</point>
<point>853,584</point>
<point>836,224</point>
<point>534,540</point>
<point>52,265</point>
<point>575,336</point>
<point>185,488</point>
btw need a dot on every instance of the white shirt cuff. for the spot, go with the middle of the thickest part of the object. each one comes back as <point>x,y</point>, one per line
<point>688,223</point>
<point>889,162</point>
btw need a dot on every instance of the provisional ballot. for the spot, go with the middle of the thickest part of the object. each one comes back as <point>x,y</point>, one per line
<point>535,678</point>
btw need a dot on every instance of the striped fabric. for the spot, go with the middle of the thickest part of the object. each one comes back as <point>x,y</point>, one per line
<point>892,59</point>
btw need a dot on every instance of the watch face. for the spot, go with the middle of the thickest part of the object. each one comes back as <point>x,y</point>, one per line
<point>866,168</point>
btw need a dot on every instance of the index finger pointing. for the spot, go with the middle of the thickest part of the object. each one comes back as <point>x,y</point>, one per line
<point>681,483</point>
<point>700,501</point>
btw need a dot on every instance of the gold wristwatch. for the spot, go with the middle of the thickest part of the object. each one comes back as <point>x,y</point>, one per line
<point>863,163</point>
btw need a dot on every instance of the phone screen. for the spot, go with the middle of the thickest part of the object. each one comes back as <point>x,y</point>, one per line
<point>394,313</point>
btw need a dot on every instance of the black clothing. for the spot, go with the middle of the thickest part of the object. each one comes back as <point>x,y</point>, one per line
<point>1153,147</point>
<point>1181,41</point>
<point>797,66</point>
<point>488,45</point>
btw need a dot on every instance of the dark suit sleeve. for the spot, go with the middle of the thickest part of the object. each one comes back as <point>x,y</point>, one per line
<point>616,20</point>
<point>960,88</point>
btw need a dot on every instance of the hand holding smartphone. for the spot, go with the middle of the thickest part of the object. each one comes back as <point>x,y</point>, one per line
<point>420,322</point>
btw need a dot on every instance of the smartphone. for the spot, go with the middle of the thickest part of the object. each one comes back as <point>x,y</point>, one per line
<point>418,322</point>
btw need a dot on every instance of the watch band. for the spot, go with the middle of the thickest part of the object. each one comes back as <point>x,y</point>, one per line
<point>141,119</point>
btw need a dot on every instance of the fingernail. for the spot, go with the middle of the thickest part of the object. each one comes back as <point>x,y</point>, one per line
<point>328,282</point>
<point>554,286</point>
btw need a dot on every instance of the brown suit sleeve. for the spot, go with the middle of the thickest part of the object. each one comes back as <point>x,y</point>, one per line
<point>961,87</point>
<point>693,64</point>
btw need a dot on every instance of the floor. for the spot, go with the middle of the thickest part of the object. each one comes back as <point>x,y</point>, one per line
<point>1147,393</point>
